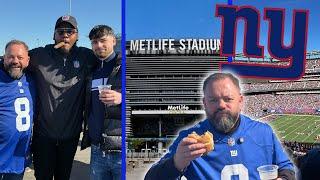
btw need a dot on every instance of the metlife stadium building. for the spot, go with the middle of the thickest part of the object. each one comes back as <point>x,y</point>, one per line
<point>163,91</point>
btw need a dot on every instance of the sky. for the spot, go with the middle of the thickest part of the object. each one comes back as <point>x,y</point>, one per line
<point>192,19</point>
<point>33,21</point>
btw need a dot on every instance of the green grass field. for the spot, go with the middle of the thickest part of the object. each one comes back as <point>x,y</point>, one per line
<point>300,128</point>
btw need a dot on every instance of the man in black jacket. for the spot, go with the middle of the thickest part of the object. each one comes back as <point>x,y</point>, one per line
<point>60,71</point>
<point>104,107</point>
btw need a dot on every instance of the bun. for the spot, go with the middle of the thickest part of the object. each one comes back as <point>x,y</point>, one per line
<point>206,139</point>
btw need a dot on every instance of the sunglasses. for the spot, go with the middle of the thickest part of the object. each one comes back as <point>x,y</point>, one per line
<point>68,31</point>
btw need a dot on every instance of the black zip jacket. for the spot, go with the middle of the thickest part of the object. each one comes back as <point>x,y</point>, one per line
<point>112,122</point>
<point>60,81</point>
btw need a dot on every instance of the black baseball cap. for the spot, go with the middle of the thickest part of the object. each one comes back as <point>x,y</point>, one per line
<point>67,18</point>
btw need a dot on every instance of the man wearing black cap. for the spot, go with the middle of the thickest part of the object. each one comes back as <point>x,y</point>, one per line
<point>60,72</point>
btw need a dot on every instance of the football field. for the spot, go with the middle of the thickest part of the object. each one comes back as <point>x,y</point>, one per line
<point>300,128</point>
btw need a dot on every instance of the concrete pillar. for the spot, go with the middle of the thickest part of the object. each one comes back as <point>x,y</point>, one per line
<point>160,146</point>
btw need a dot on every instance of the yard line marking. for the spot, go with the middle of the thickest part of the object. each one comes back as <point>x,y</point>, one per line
<point>305,121</point>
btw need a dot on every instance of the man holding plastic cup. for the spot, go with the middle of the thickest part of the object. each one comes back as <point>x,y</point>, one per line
<point>103,107</point>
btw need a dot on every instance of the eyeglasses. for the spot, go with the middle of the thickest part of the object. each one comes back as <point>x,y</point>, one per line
<point>68,31</point>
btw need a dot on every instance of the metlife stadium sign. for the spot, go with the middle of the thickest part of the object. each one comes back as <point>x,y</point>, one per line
<point>174,45</point>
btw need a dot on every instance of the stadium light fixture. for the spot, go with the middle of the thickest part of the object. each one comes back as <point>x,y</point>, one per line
<point>69,7</point>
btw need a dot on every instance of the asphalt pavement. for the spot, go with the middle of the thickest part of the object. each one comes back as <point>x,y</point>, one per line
<point>80,169</point>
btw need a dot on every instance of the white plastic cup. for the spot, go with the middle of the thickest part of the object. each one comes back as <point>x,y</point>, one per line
<point>268,172</point>
<point>104,87</point>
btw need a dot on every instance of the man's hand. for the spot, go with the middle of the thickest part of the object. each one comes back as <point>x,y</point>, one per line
<point>110,97</point>
<point>187,150</point>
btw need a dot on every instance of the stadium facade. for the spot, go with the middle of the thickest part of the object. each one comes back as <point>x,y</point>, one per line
<point>162,90</point>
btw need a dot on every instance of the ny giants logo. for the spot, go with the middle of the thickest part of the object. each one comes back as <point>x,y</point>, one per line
<point>295,53</point>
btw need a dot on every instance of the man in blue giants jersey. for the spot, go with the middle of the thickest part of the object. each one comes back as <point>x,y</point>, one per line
<point>16,111</point>
<point>241,144</point>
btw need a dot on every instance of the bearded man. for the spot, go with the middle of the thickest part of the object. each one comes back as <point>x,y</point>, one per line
<point>17,105</point>
<point>241,144</point>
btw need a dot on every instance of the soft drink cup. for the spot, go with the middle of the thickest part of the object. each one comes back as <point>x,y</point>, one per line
<point>104,87</point>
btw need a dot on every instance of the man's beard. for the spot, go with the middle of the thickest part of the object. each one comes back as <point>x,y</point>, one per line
<point>65,50</point>
<point>225,123</point>
<point>102,54</point>
<point>15,73</point>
